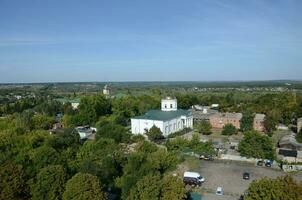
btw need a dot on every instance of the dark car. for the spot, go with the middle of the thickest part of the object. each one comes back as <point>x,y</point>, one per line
<point>260,163</point>
<point>206,157</point>
<point>191,181</point>
<point>246,176</point>
<point>268,164</point>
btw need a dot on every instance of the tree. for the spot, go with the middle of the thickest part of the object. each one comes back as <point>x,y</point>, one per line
<point>49,183</point>
<point>83,186</point>
<point>299,136</point>
<point>246,123</point>
<point>200,147</point>
<point>284,188</point>
<point>229,129</point>
<point>41,157</point>
<point>148,188</point>
<point>42,122</point>
<point>12,182</point>
<point>204,128</point>
<point>102,158</point>
<point>256,145</point>
<point>93,107</point>
<point>154,133</point>
<point>270,124</point>
<point>173,188</point>
<point>113,131</point>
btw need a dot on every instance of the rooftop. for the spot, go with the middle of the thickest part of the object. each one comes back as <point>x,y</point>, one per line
<point>259,117</point>
<point>163,115</point>
<point>229,115</point>
<point>290,139</point>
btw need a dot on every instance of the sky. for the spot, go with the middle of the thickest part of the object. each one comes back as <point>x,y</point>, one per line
<point>143,40</point>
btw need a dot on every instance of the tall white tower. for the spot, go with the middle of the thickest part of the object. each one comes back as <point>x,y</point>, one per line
<point>169,104</point>
<point>106,90</point>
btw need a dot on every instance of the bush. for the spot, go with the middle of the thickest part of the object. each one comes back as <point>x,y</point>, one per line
<point>204,128</point>
<point>229,129</point>
<point>155,134</point>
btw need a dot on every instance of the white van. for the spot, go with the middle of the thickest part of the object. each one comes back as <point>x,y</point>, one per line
<point>193,178</point>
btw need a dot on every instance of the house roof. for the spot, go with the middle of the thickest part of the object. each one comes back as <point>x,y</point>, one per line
<point>228,115</point>
<point>289,139</point>
<point>259,117</point>
<point>163,115</point>
<point>288,153</point>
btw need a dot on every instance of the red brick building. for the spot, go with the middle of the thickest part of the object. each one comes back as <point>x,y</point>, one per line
<point>218,120</point>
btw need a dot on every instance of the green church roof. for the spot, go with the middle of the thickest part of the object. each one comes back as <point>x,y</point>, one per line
<point>163,115</point>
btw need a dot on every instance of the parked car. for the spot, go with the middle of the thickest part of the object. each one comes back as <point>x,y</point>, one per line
<point>219,191</point>
<point>246,176</point>
<point>268,164</point>
<point>193,178</point>
<point>260,163</point>
<point>206,157</point>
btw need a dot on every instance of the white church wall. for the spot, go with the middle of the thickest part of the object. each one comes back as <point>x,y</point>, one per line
<point>139,126</point>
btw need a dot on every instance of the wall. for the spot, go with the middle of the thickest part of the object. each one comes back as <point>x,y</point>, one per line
<point>138,126</point>
<point>258,125</point>
<point>219,122</point>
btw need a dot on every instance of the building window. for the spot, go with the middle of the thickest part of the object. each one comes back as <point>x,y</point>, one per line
<point>165,105</point>
<point>171,106</point>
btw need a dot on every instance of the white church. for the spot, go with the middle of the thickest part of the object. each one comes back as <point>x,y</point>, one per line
<point>169,119</point>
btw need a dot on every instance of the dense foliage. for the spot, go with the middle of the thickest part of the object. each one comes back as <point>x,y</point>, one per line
<point>37,165</point>
<point>284,188</point>
<point>204,127</point>
<point>229,129</point>
<point>256,145</point>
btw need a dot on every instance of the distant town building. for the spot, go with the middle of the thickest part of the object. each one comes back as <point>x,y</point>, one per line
<point>202,113</point>
<point>299,124</point>
<point>169,119</point>
<point>258,123</point>
<point>74,102</point>
<point>218,120</point>
<point>107,90</point>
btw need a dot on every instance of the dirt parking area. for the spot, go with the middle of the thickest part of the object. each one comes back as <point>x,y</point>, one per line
<point>228,174</point>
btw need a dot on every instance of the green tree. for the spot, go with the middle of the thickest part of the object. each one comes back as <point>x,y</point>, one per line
<point>93,107</point>
<point>147,188</point>
<point>42,122</point>
<point>12,182</point>
<point>154,133</point>
<point>256,145</point>
<point>246,123</point>
<point>229,129</point>
<point>284,188</point>
<point>270,124</point>
<point>201,147</point>
<point>113,131</point>
<point>103,158</point>
<point>204,128</point>
<point>173,188</point>
<point>83,186</point>
<point>49,183</point>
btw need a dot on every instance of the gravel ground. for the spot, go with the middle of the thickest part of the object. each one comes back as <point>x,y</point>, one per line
<point>228,174</point>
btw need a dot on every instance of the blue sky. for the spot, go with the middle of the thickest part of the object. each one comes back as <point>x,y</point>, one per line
<point>158,40</point>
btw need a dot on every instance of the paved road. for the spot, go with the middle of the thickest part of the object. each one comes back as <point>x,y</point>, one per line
<point>228,174</point>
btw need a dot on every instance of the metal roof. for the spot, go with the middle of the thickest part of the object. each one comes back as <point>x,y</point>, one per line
<point>163,115</point>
